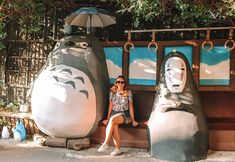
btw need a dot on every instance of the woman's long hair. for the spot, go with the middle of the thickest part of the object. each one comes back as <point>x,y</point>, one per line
<point>114,88</point>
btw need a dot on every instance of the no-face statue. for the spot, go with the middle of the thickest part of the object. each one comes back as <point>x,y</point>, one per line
<point>70,93</point>
<point>177,127</point>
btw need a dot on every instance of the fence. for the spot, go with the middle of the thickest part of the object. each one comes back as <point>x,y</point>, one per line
<point>26,53</point>
<point>27,120</point>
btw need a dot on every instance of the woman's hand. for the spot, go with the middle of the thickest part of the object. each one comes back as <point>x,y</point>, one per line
<point>105,122</point>
<point>134,123</point>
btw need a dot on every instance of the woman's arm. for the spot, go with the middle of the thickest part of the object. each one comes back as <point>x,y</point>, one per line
<point>109,112</point>
<point>110,109</point>
<point>131,109</point>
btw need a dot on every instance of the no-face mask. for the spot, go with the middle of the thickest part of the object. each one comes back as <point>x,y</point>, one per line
<point>175,74</point>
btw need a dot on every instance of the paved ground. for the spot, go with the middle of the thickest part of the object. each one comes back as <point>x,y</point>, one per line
<point>28,151</point>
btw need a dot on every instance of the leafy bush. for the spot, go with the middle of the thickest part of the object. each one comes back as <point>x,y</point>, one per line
<point>4,105</point>
<point>3,122</point>
<point>11,107</point>
<point>2,102</point>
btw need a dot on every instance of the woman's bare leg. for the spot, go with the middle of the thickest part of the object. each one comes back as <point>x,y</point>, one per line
<point>116,137</point>
<point>115,120</point>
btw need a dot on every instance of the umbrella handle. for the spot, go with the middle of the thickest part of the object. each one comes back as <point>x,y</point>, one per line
<point>128,43</point>
<point>153,42</point>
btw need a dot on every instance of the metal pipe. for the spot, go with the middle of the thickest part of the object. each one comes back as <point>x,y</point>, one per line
<point>179,29</point>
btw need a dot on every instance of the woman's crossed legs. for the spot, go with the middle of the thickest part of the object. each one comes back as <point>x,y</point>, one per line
<point>112,131</point>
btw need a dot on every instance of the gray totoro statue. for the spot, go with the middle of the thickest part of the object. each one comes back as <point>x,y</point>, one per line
<point>70,94</point>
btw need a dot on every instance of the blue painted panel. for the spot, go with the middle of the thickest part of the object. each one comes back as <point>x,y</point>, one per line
<point>215,66</point>
<point>113,57</point>
<point>142,67</point>
<point>142,82</point>
<point>142,53</point>
<point>214,82</point>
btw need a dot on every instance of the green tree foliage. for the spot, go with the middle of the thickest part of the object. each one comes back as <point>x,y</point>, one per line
<point>161,13</point>
<point>23,12</point>
<point>27,13</point>
<point>184,13</point>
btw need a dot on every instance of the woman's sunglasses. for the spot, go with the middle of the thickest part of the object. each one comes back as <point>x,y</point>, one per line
<point>120,82</point>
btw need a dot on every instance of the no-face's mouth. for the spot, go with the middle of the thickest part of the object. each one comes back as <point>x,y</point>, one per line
<point>176,109</point>
<point>181,107</point>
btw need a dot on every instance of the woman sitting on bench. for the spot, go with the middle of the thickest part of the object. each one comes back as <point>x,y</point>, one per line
<point>120,111</point>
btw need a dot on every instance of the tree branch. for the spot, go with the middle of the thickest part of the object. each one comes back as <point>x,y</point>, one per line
<point>1,7</point>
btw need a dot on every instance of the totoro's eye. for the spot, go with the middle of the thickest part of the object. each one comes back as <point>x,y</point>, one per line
<point>83,44</point>
<point>57,45</point>
<point>69,43</point>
